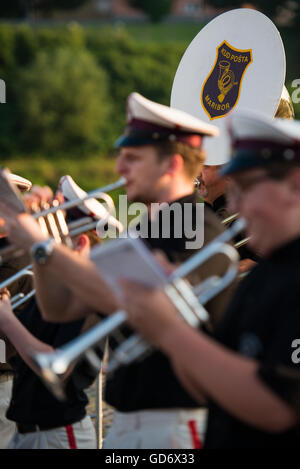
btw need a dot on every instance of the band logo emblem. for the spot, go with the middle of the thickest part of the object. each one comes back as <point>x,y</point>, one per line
<point>221,89</point>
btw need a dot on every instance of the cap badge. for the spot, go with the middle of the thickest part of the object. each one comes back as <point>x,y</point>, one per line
<point>221,90</point>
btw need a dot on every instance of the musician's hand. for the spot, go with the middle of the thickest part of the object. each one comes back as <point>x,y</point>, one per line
<point>245,265</point>
<point>5,306</point>
<point>38,196</point>
<point>23,230</point>
<point>149,311</point>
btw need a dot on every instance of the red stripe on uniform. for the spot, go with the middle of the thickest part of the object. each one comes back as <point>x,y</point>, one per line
<point>197,444</point>
<point>71,437</point>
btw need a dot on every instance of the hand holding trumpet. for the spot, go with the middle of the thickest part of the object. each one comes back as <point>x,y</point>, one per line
<point>22,229</point>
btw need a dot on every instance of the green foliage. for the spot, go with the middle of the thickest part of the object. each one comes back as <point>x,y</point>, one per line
<point>62,102</point>
<point>94,171</point>
<point>146,68</point>
<point>155,9</point>
<point>67,86</point>
<point>161,33</point>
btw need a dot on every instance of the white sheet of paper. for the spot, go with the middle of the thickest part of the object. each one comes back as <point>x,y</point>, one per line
<point>128,258</point>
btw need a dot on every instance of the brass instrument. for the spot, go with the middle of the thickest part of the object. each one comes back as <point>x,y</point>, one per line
<point>227,221</point>
<point>52,222</point>
<point>20,298</point>
<point>188,300</point>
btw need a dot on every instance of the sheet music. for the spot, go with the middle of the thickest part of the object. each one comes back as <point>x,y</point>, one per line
<point>128,258</point>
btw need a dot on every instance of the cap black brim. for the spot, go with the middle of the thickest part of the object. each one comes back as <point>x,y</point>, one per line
<point>241,163</point>
<point>133,141</point>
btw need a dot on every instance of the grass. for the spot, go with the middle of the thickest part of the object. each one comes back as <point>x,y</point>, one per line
<point>90,172</point>
<point>183,32</point>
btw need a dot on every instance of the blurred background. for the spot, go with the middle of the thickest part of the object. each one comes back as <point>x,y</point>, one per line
<point>69,65</point>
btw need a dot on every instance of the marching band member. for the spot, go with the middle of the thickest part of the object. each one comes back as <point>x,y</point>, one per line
<point>24,285</point>
<point>160,155</point>
<point>212,186</point>
<point>43,422</point>
<point>249,372</point>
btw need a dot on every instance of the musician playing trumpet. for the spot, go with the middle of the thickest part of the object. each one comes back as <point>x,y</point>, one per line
<point>160,155</point>
<point>38,419</point>
<point>212,187</point>
<point>22,285</point>
<point>249,371</point>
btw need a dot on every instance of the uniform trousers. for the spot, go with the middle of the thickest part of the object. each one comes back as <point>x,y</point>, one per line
<point>80,435</point>
<point>7,427</point>
<point>157,429</point>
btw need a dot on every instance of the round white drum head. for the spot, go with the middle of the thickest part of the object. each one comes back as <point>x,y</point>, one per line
<point>237,61</point>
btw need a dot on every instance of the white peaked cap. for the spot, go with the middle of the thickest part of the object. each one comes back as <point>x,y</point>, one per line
<point>90,207</point>
<point>258,140</point>
<point>252,125</point>
<point>144,109</point>
<point>149,122</point>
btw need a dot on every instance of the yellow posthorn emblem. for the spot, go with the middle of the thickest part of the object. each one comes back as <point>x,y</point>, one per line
<point>221,89</point>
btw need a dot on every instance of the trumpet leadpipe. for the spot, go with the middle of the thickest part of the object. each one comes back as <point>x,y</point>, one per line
<point>59,361</point>
<point>20,298</point>
<point>90,195</point>
<point>23,272</point>
<point>16,302</point>
<point>230,219</point>
<point>205,253</point>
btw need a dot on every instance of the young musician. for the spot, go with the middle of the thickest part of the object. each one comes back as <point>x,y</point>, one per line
<point>249,372</point>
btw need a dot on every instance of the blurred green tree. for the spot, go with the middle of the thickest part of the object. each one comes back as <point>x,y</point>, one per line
<point>155,9</point>
<point>62,103</point>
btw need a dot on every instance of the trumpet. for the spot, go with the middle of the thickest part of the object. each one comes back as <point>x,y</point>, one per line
<point>20,298</point>
<point>188,300</point>
<point>52,222</point>
<point>227,221</point>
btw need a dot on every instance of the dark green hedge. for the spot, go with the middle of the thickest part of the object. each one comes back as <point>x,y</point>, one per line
<point>67,87</point>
